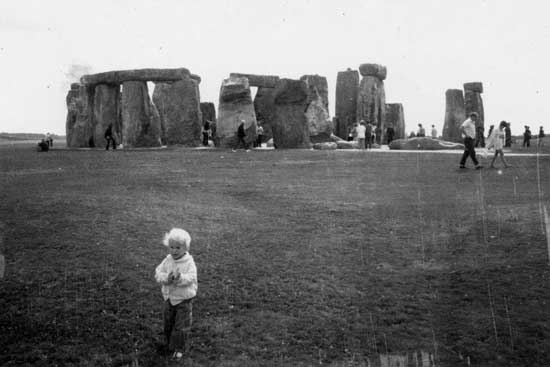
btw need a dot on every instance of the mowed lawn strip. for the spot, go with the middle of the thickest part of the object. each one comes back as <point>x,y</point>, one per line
<point>304,257</point>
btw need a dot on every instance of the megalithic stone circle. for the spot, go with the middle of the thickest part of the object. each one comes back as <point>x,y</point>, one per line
<point>268,81</point>
<point>178,104</point>
<point>371,98</point>
<point>317,113</point>
<point>235,106</point>
<point>144,75</point>
<point>140,119</point>
<point>106,111</point>
<point>473,101</point>
<point>347,85</point>
<point>290,127</point>
<point>395,117</point>
<point>455,115</point>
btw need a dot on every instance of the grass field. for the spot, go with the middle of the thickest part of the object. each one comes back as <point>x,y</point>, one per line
<point>334,258</point>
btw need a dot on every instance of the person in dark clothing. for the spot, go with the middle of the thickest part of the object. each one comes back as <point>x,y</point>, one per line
<point>541,137</point>
<point>508,133</point>
<point>43,146</point>
<point>390,133</point>
<point>241,135</point>
<point>527,137</point>
<point>378,135</point>
<point>205,133</point>
<point>109,137</point>
<point>480,137</point>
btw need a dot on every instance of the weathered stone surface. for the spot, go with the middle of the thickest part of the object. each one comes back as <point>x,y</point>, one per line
<point>395,117</point>
<point>317,114</point>
<point>371,103</point>
<point>290,126</point>
<point>235,106</point>
<point>325,146</point>
<point>178,104</point>
<point>144,75</point>
<point>317,85</point>
<point>268,81</point>
<point>347,85</point>
<point>195,77</point>
<point>264,105</point>
<point>474,87</point>
<point>140,119</point>
<point>454,115</point>
<point>208,111</point>
<point>343,144</point>
<point>424,143</point>
<point>79,124</point>
<point>378,71</point>
<point>474,103</point>
<point>106,111</point>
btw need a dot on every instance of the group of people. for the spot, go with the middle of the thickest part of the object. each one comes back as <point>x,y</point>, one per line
<point>46,143</point>
<point>527,136</point>
<point>421,132</point>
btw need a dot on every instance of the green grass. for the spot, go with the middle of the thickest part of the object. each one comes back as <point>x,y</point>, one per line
<point>304,257</point>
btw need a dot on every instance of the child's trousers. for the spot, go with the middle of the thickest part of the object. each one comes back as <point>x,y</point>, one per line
<point>177,324</point>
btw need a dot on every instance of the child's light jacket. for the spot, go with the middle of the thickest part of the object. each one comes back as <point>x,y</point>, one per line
<point>186,286</point>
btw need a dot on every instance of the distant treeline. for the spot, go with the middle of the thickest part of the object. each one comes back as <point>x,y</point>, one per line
<point>27,136</point>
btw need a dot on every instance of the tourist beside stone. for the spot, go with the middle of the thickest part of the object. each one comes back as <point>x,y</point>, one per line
<point>527,137</point>
<point>541,137</point>
<point>260,133</point>
<point>241,134</point>
<point>43,146</point>
<point>421,131</point>
<point>434,132</point>
<point>369,135</point>
<point>508,140</point>
<point>177,274</point>
<point>378,135</point>
<point>480,137</point>
<point>496,140</point>
<point>361,133</point>
<point>109,137</point>
<point>468,131</point>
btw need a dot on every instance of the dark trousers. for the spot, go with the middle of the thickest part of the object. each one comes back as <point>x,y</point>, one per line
<point>259,141</point>
<point>110,141</point>
<point>205,139</point>
<point>526,142</point>
<point>240,140</point>
<point>469,151</point>
<point>177,325</point>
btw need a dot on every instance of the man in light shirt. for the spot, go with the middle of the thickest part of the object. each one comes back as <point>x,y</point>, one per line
<point>434,132</point>
<point>468,131</point>
<point>360,131</point>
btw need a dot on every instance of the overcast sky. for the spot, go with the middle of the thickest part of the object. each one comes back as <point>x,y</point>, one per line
<point>427,46</point>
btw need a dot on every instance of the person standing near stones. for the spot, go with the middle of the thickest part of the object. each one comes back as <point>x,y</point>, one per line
<point>260,133</point>
<point>206,132</point>
<point>434,132</point>
<point>541,137</point>
<point>390,133</point>
<point>468,131</point>
<point>496,140</point>
<point>421,131</point>
<point>480,138</point>
<point>109,137</point>
<point>508,131</point>
<point>361,133</point>
<point>369,135</point>
<point>527,137</point>
<point>241,134</point>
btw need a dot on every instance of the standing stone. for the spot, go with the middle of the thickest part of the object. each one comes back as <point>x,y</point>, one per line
<point>371,99</point>
<point>72,101</point>
<point>264,105</point>
<point>106,109</point>
<point>395,117</point>
<point>347,84</point>
<point>80,125</point>
<point>290,127</point>
<point>317,114</point>
<point>178,104</point>
<point>454,115</point>
<point>473,101</point>
<point>140,118</point>
<point>235,106</point>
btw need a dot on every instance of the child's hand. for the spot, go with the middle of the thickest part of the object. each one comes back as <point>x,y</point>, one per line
<point>176,276</point>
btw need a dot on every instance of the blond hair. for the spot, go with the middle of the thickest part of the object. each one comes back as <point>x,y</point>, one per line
<point>179,235</point>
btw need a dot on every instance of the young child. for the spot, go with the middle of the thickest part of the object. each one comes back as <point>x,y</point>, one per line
<point>178,275</point>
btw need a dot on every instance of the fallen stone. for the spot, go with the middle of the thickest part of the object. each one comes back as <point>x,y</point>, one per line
<point>144,75</point>
<point>343,144</point>
<point>424,143</point>
<point>235,107</point>
<point>140,119</point>
<point>106,112</point>
<point>290,126</point>
<point>325,146</point>
<point>455,115</point>
<point>347,85</point>
<point>178,104</point>
<point>378,71</point>
<point>267,81</point>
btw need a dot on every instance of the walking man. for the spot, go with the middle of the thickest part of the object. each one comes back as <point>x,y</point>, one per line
<point>468,131</point>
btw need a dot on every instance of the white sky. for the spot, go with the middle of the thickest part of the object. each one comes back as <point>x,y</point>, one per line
<point>427,46</point>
